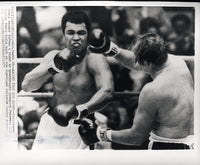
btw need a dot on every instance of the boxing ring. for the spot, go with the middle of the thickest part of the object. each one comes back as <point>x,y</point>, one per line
<point>188,59</point>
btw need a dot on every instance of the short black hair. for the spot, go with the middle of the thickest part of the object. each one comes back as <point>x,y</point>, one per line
<point>151,48</point>
<point>75,17</point>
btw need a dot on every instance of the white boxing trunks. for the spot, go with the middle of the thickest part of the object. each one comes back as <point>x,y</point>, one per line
<point>50,135</point>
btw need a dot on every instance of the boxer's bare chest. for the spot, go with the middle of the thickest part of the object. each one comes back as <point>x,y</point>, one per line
<point>77,85</point>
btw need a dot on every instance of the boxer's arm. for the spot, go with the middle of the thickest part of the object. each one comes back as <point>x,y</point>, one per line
<point>142,124</point>
<point>99,68</point>
<point>189,60</point>
<point>127,59</point>
<point>101,43</point>
<point>39,75</point>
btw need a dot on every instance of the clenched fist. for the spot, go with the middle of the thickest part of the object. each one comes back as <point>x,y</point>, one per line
<point>63,113</point>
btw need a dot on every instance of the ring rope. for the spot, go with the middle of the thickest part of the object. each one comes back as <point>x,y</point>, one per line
<point>29,60</point>
<point>50,94</point>
<point>38,60</point>
<point>34,94</point>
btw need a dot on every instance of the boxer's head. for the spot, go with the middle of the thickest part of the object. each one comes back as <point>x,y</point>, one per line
<point>150,49</point>
<point>76,28</point>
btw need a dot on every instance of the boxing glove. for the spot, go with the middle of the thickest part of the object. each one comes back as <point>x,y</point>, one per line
<point>87,131</point>
<point>65,112</point>
<point>64,60</point>
<point>100,43</point>
<point>90,132</point>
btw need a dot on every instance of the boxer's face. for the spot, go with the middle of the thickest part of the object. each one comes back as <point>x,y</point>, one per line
<point>76,37</point>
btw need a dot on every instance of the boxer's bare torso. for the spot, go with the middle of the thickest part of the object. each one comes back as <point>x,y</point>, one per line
<point>84,82</point>
<point>74,87</point>
<point>78,85</point>
<point>172,89</point>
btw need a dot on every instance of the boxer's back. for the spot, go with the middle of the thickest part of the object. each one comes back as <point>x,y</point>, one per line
<point>174,89</point>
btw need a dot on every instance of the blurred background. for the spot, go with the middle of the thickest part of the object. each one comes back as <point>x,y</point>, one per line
<point>39,31</point>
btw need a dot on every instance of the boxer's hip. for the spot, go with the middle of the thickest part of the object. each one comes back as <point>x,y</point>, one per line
<point>50,135</point>
<point>157,142</point>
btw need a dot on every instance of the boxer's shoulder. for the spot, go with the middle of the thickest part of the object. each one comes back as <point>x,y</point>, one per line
<point>96,59</point>
<point>149,101</point>
<point>150,92</point>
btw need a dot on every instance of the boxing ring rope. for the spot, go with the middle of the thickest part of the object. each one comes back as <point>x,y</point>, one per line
<point>50,94</point>
<point>29,60</point>
<point>38,60</point>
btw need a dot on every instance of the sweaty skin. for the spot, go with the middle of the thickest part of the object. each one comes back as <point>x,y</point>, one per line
<point>165,105</point>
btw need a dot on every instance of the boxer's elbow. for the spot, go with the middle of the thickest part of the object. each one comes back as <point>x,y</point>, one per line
<point>26,86</point>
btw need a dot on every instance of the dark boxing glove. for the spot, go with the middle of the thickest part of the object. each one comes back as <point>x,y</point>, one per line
<point>100,43</point>
<point>64,60</point>
<point>90,132</point>
<point>87,131</point>
<point>65,112</point>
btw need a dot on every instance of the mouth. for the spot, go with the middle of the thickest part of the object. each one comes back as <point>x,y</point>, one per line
<point>76,44</point>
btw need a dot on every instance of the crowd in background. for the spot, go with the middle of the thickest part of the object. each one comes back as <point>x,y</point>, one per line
<point>39,31</point>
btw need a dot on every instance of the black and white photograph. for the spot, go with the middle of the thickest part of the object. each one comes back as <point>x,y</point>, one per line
<point>119,103</point>
<point>102,76</point>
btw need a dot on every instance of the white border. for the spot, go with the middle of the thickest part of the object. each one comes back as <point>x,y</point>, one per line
<point>99,3</point>
<point>63,157</point>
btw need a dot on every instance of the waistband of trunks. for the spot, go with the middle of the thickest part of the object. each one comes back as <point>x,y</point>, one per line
<point>189,140</point>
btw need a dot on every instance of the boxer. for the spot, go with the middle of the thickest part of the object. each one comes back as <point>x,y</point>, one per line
<point>166,105</point>
<point>82,81</point>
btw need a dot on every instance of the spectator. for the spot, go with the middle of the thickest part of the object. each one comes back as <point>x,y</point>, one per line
<point>148,25</point>
<point>45,102</point>
<point>20,132</point>
<point>31,121</point>
<point>25,49</point>
<point>26,104</point>
<point>26,22</point>
<point>48,20</point>
<point>182,39</point>
<point>122,80</point>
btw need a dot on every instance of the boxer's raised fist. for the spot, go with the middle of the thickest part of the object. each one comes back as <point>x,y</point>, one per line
<point>64,60</point>
<point>99,42</point>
